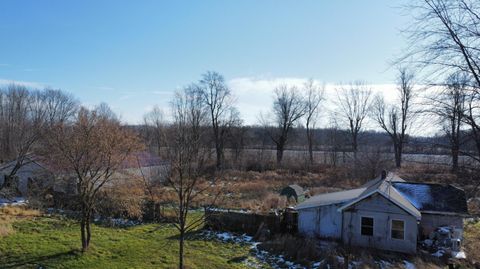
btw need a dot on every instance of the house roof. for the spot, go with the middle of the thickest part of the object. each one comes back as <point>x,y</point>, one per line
<point>346,196</point>
<point>385,188</point>
<point>382,186</point>
<point>434,198</point>
<point>330,198</point>
<point>297,189</point>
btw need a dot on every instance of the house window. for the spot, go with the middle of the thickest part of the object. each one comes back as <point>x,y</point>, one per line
<point>367,226</point>
<point>398,229</point>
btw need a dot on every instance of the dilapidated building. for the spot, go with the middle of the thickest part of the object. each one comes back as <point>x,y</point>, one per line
<point>386,213</point>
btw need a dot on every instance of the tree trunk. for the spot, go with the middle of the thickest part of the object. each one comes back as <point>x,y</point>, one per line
<point>85,227</point>
<point>454,152</point>
<point>84,235</point>
<point>180,250</point>
<point>89,233</point>
<point>398,161</point>
<point>218,150</point>
<point>280,149</point>
<point>310,145</point>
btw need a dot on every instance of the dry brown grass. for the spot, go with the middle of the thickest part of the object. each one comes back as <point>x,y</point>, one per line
<point>9,213</point>
<point>259,191</point>
<point>472,241</point>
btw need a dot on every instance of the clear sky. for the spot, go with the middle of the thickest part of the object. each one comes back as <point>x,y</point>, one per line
<point>134,54</point>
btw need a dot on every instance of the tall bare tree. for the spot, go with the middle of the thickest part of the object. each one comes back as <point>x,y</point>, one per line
<point>396,119</point>
<point>354,103</point>
<point>154,128</point>
<point>24,115</point>
<point>314,96</point>
<point>92,149</point>
<point>223,115</point>
<point>444,39</point>
<point>288,108</point>
<point>449,105</point>
<point>187,153</point>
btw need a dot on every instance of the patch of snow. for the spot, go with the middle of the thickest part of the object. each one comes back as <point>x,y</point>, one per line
<point>16,201</point>
<point>439,253</point>
<point>444,230</point>
<point>261,256</point>
<point>409,265</point>
<point>383,264</point>
<point>316,265</point>
<point>459,255</point>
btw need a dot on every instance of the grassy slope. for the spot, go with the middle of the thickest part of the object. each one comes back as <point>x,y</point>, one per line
<point>54,243</point>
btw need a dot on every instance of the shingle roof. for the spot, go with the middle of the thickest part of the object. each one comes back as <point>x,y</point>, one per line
<point>348,198</point>
<point>434,198</point>
<point>331,198</point>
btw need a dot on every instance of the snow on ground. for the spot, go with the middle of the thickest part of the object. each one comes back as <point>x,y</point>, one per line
<point>262,257</point>
<point>408,265</point>
<point>459,255</point>
<point>16,201</point>
<point>439,253</point>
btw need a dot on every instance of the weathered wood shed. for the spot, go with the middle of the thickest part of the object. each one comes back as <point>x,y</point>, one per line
<point>293,191</point>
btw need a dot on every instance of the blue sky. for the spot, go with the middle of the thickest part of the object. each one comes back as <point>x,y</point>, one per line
<point>134,54</point>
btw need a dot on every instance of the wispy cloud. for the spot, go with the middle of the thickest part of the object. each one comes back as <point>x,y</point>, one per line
<point>28,84</point>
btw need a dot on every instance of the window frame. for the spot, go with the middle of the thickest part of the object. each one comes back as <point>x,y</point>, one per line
<point>372,227</point>
<point>391,229</point>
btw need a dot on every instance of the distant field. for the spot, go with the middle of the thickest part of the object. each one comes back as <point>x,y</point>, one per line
<point>52,242</point>
<point>325,157</point>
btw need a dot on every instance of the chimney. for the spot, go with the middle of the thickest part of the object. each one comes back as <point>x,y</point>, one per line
<point>384,174</point>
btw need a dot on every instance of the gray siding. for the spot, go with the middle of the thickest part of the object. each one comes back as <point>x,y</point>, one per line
<point>382,211</point>
<point>324,222</point>
<point>29,171</point>
<point>430,222</point>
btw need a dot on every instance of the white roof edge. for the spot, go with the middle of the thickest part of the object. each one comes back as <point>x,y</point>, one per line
<point>313,205</point>
<point>416,214</point>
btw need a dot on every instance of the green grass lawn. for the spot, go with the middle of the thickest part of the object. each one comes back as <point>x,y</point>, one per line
<point>55,243</point>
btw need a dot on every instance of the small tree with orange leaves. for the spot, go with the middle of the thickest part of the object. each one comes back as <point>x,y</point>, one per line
<point>90,149</point>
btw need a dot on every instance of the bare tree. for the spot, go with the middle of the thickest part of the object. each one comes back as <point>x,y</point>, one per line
<point>397,118</point>
<point>353,106</point>
<point>288,108</point>
<point>445,38</point>
<point>187,154</point>
<point>219,101</point>
<point>154,124</point>
<point>59,106</point>
<point>449,106</point>
<point>24,115</point>
<point>91,149</point>
<point>314,96</point>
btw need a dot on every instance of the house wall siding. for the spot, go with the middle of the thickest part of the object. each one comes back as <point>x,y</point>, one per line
<point>324,221</point>
<point>430,222</point>
<point>382,211</point>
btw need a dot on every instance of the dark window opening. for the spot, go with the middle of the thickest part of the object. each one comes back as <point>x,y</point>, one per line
<point>398,229</point>
<point>367,226</point>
